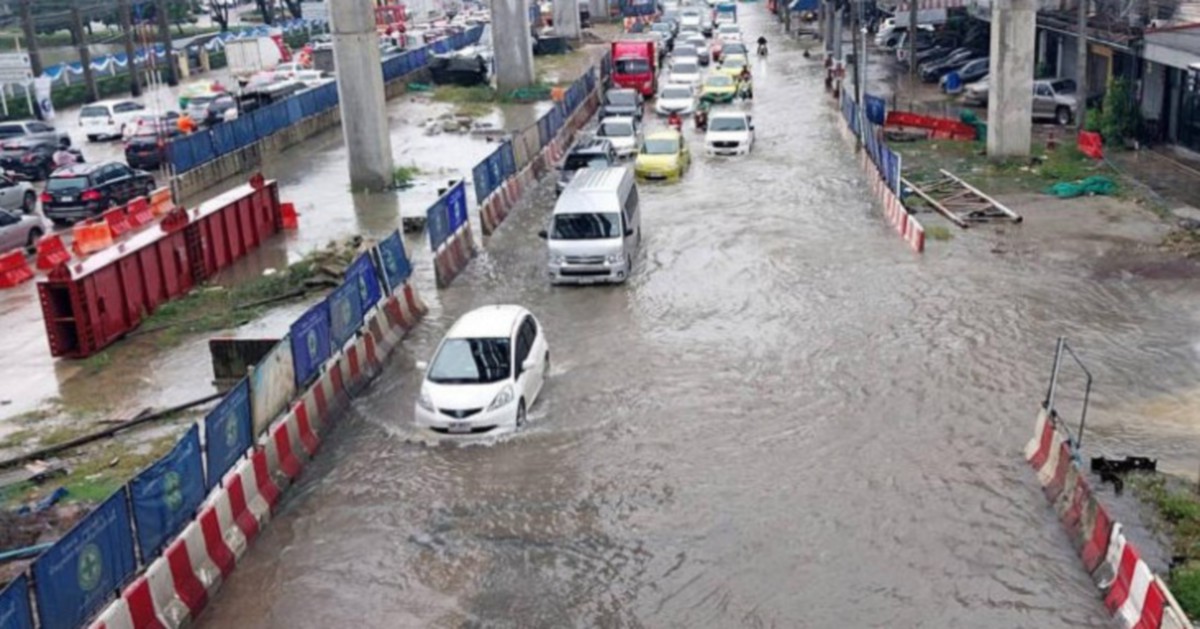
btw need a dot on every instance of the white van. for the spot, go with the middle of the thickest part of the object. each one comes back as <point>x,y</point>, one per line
<point>595,229</point>
<point>107,119</point>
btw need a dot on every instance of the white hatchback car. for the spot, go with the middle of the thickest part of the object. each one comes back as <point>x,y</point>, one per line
<point>623,132</point>
<point>686,70</point>
<point>729,133</point>
<point>487,372</point>
<point>675,97</point>
<point>107,119</point>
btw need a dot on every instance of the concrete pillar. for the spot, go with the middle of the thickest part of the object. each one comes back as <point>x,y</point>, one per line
<point>837,36</point>
<point>512,44</point>
<point>1010,87</point>
<point>566,18</point>
<point>360,91</point>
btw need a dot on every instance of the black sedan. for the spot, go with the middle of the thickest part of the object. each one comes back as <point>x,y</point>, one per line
<point>148,149</point>
<point>31,157</point>
<point>85,190</point>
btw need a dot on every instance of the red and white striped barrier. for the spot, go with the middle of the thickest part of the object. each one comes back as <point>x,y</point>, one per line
<point>176,586</point>
<point>894,211</point>
<point>453,256</point>
<point>1133,595</point>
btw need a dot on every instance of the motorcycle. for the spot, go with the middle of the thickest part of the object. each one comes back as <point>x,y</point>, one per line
<point>762,49</point>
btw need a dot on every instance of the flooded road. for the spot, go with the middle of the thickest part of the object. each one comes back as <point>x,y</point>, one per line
<point>785,419</point>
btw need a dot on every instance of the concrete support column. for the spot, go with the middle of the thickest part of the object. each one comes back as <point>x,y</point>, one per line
<point>513,44</point>
<point>360,91</point>
<point>837,36</point>
<point>566,18</point>
<point>1010,88</point>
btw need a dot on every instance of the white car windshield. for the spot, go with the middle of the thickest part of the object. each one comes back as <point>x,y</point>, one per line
<point>685,68</point>
<point>727,123</point>
<point>676,92</point>
<point>586,226</point>
<point>616,130</point>
<point>471,361</point>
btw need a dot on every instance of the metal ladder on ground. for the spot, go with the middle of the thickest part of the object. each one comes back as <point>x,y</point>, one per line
<point>960,202</point>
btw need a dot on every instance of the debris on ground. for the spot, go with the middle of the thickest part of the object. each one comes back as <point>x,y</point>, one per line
<point>1096,184</point>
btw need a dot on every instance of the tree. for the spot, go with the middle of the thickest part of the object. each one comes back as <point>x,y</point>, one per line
<point>180,12</point>
<point>295,7</point>
<point>267,9</point>
<point>219,11</point>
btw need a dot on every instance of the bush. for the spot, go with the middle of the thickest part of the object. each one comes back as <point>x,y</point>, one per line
<point>1185,586</point>
<point>1092,121</point>
<point>1119,117</point>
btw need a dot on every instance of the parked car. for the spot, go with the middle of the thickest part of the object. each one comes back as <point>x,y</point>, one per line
<point>587,153</point>
<point>20,231</point>
<point>32,128</point>
<point>622,102</point>
<point>889,36</point>
<point>485,375</point>
<point>210,109</point>
<point>148,149</point>
<point>107,119</point>
<point>85,190</point>
<point>17,196</point>
<point>924,42</point>
<point>970,72</point>
<point>31,157</point>
<point>935,70</point>
<point>1053,99</point>
<point>929,54</point>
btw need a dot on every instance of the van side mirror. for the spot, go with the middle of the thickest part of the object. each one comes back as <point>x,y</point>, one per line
<point>543,235</point>
<point>628,231</point>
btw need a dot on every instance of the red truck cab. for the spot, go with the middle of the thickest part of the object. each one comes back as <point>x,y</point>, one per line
<point>635,65</point>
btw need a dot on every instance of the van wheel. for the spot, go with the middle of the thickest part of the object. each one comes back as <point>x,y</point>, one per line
<point>521,415</point>
<point>93,138</point>
<point>1062,115</point>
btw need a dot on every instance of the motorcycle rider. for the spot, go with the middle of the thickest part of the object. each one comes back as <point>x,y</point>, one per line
<point>674,121</point>
<point>762,46</point>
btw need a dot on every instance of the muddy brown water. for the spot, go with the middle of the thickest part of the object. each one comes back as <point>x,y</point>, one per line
<point>785,419</point>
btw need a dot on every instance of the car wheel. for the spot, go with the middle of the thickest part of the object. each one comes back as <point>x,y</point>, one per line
<point>1062,115</point>
<point>521,415</point>
<point>35,235</point>
<point>60,222</point>
<point>29,203</point>
<point>93,138</point>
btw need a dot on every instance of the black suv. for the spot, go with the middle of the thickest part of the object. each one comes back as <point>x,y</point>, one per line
<point>148,148</point>
<point>31,157</point>
<point>85,190</point>
<point>588,153</point>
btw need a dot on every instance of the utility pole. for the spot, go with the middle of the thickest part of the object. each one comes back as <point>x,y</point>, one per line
<point>161,12</point>
<point>135,79</point>
<point>1081,62</point>
<point>913,5</point>
<point>31,44</point>
<point>856,25</point>
<point>85,54</point>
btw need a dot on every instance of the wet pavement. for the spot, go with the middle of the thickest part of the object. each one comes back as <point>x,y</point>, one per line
<point>785,418</point>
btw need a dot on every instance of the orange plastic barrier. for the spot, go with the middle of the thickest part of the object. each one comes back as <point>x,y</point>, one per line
<point>1091,144</point>
<point>51,252</point>
<point>288,216</point>
<point>139,212</point>
<point>117,221</point>
<point>14,269</point>
<point>160,202</point>
<point>91,237</point>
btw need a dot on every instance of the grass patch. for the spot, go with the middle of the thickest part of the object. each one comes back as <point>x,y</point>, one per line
<point>1178,507</point>
<point>924,159</point>
<point>938,232</point>
<point>403,176</point>
<point>460,95</point>
<point>100,473</point>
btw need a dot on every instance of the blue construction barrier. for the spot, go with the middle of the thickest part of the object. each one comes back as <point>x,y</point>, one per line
<point>394,261</point>
<point>446,215</point>
<point>228,432</point>
<point>490,174</point>
<point>885,160</point>
<point>193,151</point>
<point>310,343</point>
<point>165,495</point>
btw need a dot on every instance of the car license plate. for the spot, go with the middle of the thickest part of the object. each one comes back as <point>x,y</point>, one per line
<point>459,427</point>
<point>66,199</point>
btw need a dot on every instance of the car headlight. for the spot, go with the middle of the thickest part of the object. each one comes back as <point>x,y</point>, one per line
<point>556,260</point>
<point>424,401</point>
<point>612,258</point>
<point>503,397</point>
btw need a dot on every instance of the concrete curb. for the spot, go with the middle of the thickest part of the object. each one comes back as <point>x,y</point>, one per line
<point>175,588</point>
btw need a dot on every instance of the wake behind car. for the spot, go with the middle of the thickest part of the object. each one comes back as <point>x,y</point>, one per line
<point>487,372</point>
<point>85,190</point>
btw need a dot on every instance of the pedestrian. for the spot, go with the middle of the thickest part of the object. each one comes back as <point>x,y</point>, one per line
<point>62,157</point>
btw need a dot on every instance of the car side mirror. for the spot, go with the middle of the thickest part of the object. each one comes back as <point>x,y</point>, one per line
<point>543,235</point>
<point>422,365</point>
<point>528,365</point>
<point>628,231</point>
<point>751,127</point>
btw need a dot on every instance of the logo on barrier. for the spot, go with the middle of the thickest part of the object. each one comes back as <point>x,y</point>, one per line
<point>310,341</point>
<point>363,293</point>
<point>231,429</point>
<point>91,567</point>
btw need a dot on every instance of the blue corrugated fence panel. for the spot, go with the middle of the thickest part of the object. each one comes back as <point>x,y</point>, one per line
<point>243,131</point>
<point>223,140</point>
<point>295,111</point>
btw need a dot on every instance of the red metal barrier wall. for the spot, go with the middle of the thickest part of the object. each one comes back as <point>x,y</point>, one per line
<point>89,305</point>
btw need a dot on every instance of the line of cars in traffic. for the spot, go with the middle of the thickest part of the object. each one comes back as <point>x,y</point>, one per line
<point>494,362</point>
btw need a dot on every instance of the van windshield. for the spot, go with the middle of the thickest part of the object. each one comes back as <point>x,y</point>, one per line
<point>576,162</point>
<point>632,66</point>
<point>586,226</point>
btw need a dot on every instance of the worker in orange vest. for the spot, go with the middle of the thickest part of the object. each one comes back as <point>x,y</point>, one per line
<point>186,124</point>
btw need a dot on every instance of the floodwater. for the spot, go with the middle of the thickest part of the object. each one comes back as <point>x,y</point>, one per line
<point>785,419</point>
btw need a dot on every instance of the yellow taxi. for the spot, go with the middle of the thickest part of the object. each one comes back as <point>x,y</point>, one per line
<point>732,65</point>
<point>718,88</point>
<point>663,156</point>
